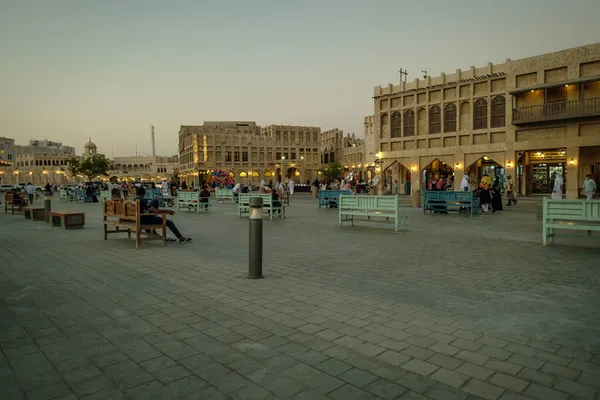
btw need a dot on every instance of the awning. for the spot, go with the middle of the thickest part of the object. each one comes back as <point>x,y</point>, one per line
<point>5,163</point>
<point>574,81</point>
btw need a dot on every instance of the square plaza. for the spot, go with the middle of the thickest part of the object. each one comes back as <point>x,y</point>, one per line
<point>458,307</point>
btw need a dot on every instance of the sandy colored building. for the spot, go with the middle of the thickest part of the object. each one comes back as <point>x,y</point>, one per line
<point>39,162</point>
<point>346,150</point>
<point>145,168</point>
<point>529,118</point>
<point>248,152</point>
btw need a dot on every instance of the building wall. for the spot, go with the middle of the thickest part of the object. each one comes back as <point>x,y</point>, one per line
<point>151,168</point>
<point>250,152</point>
<point>40,162</point>
<point>462,145</point>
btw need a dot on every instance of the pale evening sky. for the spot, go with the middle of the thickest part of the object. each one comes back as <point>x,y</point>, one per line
<point>106,69</point>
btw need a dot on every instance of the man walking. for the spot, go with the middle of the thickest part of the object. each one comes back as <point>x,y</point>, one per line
<point>30,189</point>
<point>589,187</point>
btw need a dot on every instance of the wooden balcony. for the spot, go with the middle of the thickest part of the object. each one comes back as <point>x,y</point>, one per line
<point>554,111</point>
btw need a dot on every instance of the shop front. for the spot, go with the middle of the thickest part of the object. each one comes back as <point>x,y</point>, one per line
<point>542,169</point>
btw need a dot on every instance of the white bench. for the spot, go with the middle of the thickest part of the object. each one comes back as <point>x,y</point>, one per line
<point>192,200</point>
<point>224,194</point>
<point>583,215</point>
<point>371,207</point>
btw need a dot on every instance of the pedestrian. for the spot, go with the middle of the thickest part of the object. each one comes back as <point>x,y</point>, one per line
<point>30,189</point>
<point>558,187</point>
<point>510,194</point>
<point>589,187</point>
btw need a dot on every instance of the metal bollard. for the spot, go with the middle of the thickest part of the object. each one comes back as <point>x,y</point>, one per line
<point>256,238</point>
<point>47,206</point>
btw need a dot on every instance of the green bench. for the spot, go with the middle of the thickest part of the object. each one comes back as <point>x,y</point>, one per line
<point>372,207</point>
<point>583,215</point>
<point>270,209</point>
<point>105,195</point>
<point>192,200</point>
<point>224,194</point>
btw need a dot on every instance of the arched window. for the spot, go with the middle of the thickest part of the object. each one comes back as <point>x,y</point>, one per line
<point>450,117</point>
<point>269,174</point>
<point>498,112</point>
<point>435,120</point>
<point>243,174</point>
<point>480,114</point>
<point>409,123</point>
<point>396,124</point>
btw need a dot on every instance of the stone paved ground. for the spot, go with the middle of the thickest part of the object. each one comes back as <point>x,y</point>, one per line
<point>456,308</point>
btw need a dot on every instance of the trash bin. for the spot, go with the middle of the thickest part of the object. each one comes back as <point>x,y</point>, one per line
<point>416,198</point>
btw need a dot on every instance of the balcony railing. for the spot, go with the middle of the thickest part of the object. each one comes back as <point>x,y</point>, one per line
<point>557,111</point>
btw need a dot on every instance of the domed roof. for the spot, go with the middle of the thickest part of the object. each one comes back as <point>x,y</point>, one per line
<point>90,144</point>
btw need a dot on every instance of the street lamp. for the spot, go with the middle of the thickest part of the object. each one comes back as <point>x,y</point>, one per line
<point>282,169</point>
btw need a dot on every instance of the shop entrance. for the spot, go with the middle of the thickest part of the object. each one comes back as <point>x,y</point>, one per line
<point>438,176</point>
<point>543,176</point>
<point>542,168</point>
<point>484,166</point>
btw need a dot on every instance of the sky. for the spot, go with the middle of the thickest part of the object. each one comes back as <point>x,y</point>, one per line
<point>75,69</point>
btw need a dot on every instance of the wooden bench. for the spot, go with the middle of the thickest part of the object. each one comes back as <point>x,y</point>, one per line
<point>67,219</point>
<point>8,203</point>
<point>372,206</point>
<point>34,213</point>
<point>583,215</point>
<point>224,194</point>
<point>444,202</point>
<point>126,215</point>
<point>192,200</point>
<point>330,198</point>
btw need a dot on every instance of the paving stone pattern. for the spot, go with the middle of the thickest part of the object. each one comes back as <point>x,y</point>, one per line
<point>456,308</point>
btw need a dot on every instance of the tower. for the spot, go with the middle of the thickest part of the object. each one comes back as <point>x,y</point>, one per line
<point>153,142</point>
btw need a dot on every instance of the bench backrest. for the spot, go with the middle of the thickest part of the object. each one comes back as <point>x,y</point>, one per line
<point>128,210</point>
<point>448,196</point>
<point>577,210</point>
<point>328,194</point>
<point>244,198</point>
<point>104,194</point>
<point>223,192</point>
<point>185,197</point>
<point>385,203</point>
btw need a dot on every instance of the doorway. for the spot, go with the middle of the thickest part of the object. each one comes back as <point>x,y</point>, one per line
<point>542,177</point>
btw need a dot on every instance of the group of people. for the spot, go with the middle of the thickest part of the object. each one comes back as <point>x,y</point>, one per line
<point>588,189</point>
<point>490,193</point>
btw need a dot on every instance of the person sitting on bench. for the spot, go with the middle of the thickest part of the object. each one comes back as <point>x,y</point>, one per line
<point>115,194</point>
<point>152,207</point>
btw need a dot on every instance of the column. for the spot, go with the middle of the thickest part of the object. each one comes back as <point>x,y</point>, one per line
<point>572,173</point>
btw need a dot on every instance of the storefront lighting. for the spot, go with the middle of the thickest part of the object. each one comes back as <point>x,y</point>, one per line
<point>508,164</point>
<point>572,162</point>
<point>17,172</point>
<point>456,165</point>
<point>378,155</point>
<point>413,168</point>
<point>532,90</point>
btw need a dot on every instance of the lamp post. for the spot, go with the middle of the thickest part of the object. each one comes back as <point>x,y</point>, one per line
<point>255,238</point>
<point>282,170</point>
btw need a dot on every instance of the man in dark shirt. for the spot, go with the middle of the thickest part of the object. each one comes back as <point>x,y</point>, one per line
<point>204,195</point>
<point>152,207</point>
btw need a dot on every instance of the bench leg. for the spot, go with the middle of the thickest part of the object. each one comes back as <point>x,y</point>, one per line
<point>105,232</point>
<point>164,234</point>
<point>138,239</point>
<point>128,233</point>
